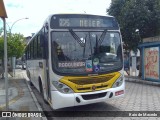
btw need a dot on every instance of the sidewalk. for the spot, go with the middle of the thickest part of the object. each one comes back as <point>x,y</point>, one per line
<point>20,95</point>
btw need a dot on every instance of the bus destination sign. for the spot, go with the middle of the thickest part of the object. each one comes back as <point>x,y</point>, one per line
<point>83,22</point>
<point>80,22</point>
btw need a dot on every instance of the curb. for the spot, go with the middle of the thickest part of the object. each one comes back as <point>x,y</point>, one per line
<point>139,80</point>
<point>35,100</point>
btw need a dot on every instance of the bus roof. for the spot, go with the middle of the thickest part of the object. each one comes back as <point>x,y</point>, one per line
<point>50,16</point>
<point>77,14</point>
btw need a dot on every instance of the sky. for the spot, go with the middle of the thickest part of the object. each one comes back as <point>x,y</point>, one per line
<point>38,10</point>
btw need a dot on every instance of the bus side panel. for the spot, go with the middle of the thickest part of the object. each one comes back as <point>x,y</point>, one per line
<point>30,70</point>
<point>37,73</point>
<point>31,65</point>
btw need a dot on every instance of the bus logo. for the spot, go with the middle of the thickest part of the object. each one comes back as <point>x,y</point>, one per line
<point>93,87</point>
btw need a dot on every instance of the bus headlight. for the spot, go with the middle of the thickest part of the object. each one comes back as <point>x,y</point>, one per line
<point>62,87</point>
<point>118,82</point>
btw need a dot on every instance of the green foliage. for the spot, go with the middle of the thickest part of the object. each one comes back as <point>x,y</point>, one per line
<point>136,14</point>
<point>1,48</point>
<point>1,30</point>
<point>15,45</point>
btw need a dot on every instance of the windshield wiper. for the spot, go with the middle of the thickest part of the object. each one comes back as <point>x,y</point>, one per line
<point>84,48</point>
<point>75,36</point>
<point>102,37</point>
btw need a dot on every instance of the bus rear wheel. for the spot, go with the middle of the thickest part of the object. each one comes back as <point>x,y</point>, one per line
<point>30,82</point>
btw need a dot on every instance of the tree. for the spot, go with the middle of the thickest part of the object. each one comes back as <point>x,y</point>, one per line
<point>136,14</point>
<point>116,8</point>
<point>15,45</point>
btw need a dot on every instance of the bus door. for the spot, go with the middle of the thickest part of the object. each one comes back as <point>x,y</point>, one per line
<point>48,92</point>
<point>46,56</point>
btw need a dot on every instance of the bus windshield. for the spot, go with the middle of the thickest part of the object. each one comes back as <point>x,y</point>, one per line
<point>86,52</point>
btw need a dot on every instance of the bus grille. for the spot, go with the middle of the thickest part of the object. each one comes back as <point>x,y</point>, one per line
<point>93,80</point>
<point>91,83</point>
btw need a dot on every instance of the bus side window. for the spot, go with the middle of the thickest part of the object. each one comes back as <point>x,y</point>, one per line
<point>32,49</point>
<point>45,34</point>
<point>39,48</point>
<point>35,48</point>
<point>43,43</point>
<point>42,38</point>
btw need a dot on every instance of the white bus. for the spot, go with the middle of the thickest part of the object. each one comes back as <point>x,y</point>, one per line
<point>76,59</point>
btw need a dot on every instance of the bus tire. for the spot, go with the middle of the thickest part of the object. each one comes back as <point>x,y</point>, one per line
<point>41,88</point>
<point>41,91</point>
<point>30,82</point>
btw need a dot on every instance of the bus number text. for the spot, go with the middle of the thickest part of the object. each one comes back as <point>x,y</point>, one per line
<point>64,23</point>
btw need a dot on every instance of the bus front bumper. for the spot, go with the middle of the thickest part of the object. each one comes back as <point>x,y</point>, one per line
<point>60,100</point>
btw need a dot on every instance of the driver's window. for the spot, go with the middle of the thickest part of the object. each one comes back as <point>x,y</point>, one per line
<point>106,45</point>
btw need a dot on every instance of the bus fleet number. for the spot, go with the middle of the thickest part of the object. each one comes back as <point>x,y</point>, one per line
<point>64,22</point>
